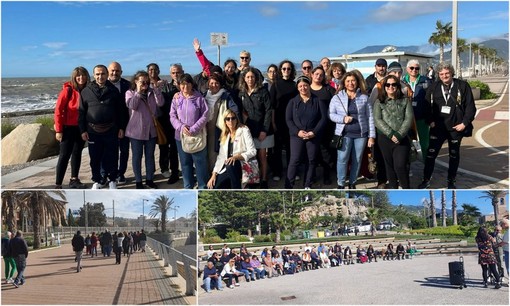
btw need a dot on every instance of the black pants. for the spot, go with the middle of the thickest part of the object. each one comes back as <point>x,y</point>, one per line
<point>231,178</point>
<point>396,159</point>
<point>485,272</point>
<point>437,138</point>
<point>118,254</point>
<point>378,156</point>
<point>168,156</point>
<point>71,147</point>
<point>298,146</point>
<point>281,140</point>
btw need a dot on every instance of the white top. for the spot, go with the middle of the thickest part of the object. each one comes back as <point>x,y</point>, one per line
<point>243,144</point>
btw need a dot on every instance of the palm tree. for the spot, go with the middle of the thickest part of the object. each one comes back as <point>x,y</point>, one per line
<point>461,48</point>
<point>470,214</point>
<point>373,216</point>
<point>443,207</point>
<point>442,37</point>
<point>433,209</point>
<point>278,220</point>
<point>8,208</point>
<point>160,207</point>
<point>494,196</point>
<point>454,207</point>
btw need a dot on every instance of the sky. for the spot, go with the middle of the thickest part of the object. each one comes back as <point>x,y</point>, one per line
<point>43,39</point>
<point>130,204</point>
<point>472,197</point>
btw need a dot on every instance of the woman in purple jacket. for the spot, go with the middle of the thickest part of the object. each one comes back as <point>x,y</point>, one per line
<point>188,113</point>
<point>142,101</point>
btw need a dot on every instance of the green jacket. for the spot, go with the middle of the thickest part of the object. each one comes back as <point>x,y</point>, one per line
<point>394,117</point>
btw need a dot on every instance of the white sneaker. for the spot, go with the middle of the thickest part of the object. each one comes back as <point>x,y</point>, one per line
<point>96,186</point>
<point>276,178</point>
<point>307,188</point>
<point>112,185</point>
<point>166,174</point>
<point>237,284</point>
<point>231,287</point>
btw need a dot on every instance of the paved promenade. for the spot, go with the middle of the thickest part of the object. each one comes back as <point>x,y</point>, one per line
<point>423,280</point>
<point>483,165</point>
<point>51,278</point>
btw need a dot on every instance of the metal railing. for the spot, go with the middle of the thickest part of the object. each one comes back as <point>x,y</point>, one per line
<point>170,257</point>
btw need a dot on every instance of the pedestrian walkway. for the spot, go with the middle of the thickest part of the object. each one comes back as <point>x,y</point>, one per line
<point>51,278</point>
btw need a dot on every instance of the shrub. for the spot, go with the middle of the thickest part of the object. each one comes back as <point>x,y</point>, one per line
<point>261,238</point>
<point>453,230</point>
<point>46,121</point>
<point>210,232</point>
<point>7,127</point>
<point>485,91</point>
<point>212,239</point>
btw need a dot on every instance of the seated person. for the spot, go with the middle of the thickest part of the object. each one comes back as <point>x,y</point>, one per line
<point>231,275</point>
<point>361,254</point>
<point>401,252</point>
<point>264,253</point>
<point>270,268</point>
<point>278,263</point>
<point>225,258</point>
<point>215,259</point>
<point>316,261</point>
<point>337,249</point>
<point>389,252</point>
<point>307,260</point>
<point>295,259</point>
<point>348,255</point>
<point>371,254</point>
<point>333,258</point>
<point>410,248</point>
<point>323,255</point>
<point>211,277</point>
<point>260,272</point>
<point>243,251</point>
<point>236,145</point>
<point>247,269</point>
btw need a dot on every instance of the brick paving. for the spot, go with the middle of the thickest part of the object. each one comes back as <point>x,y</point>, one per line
<point>51,278</point>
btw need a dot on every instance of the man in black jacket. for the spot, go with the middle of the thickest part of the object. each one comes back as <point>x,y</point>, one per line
<point>450,111</point>
<point>101,124</point>
<point>78,244</point>
<point>381,67</point>
<point>19,251</point>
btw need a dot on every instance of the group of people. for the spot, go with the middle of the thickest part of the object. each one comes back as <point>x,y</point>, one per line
<point>221,120</point>
<point>121,243</point>
<point>15,254</point>
<point>228,265</point>
<point>492,252</point>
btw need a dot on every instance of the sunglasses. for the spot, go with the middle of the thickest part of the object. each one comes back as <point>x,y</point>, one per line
<point>414,68</point>
<point>143,82</point>
<point>230,118</point>
<point>286,68</point>
<point>244,57</point>
<point>391,84</point>
<point>307,68</point>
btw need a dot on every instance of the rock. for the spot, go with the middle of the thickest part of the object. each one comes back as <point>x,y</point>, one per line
<point>28,142</point>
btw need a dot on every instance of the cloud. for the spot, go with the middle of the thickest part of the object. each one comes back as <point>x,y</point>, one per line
<point>54,45</point>
<point>323,26</point>
<point>28,48</point>
<point>268,11</point>
<point>398,11</point>
<point>312,5</point>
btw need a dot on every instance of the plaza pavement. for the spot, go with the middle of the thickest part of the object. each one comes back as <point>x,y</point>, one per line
<point>423,280</point>
<point>51,279</point>
<point>484,158</point>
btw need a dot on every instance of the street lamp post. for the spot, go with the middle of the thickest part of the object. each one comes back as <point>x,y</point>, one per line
<point>143,213</point>
<point>175,218</point>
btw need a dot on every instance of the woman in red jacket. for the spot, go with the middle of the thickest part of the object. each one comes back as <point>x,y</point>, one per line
<point>66,128</point>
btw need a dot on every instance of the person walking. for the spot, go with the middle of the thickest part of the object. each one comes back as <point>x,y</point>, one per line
<point>9,263</point>
<point>78,244</point>
<point>143,240</point>
<point>93,244</point>
<point>486,256</point>
<point>19,251</point>
<point>118,247</point>
<point>67,131</point>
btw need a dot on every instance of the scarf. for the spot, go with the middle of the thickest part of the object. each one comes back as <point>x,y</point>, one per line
<point>211,102</point>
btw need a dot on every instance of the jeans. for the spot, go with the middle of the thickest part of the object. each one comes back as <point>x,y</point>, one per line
<point>215,282</point>
<point>351,148</point>
<point>260,273</point>
<point>139,148</point>
<point>187,161</point>
<point>506,261</point>
<point>124,155</point>
<point>78,259</point>
<point>107,250</point>
<point>248,273</point>
<point>229,279</point>
<point>10,267</point>
<point>70,148</point>
<point>21,263</point>
<point>103,152</point>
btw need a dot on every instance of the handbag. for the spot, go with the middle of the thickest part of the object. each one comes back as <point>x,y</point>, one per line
<point>251,173</point>
<point>161,140</point>
<point>193,144</point>
<point>336,142</point>
<point>372,164</point>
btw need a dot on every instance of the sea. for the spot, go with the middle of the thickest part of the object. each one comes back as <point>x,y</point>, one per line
<point>29,94</point>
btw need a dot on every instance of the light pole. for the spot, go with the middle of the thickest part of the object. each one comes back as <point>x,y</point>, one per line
<point>175,218</point>
<point>143,213</point>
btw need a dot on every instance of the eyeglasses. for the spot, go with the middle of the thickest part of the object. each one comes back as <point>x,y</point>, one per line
<point>286,69</point>
<point>244,57</point>
<point>414,68</point>
<point>306,67</point>
<point>143,82</point>
<point>391,84</point>
<point>230,118</point>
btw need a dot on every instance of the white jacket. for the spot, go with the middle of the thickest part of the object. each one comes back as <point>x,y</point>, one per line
<point>243,144</point>
<point>227,269</point>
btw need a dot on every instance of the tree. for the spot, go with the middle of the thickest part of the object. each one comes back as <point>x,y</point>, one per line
<point>461,48</point>
<point>373,216</point>
<point>433,209</point>
<point>8,208</point>
<point>44,204</point>
<point>94,213</point>
<point>454,207</point>
<point>161,207</point>
<point>494,196</point>
<point>278,220</point>
<point>443,208</point>
<point>70,218</point>
<point>470,214</point>
<point>442,37</point>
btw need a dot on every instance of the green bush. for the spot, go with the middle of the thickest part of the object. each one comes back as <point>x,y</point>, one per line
<point>212,239</point>
<point>7,127</point>
<point>261,238</point>
<point>46,121</point>
<point>29,240</point>
<point>210,232</point>
<point>453,230</point>
<point>485,91</point>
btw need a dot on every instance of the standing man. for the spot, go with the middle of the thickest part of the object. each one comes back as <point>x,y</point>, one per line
<point>325,63</point>
<point>122,85</point>
<point>19,251</point>
<point>143,240</point>
<point>419,85</point>
<point>78,244</point>
<point>102,124</point>
<point>107,241</point>
<point>381,66</point>
<point>306,68</point>
<point>450,111</point>
<point>244,60</point>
